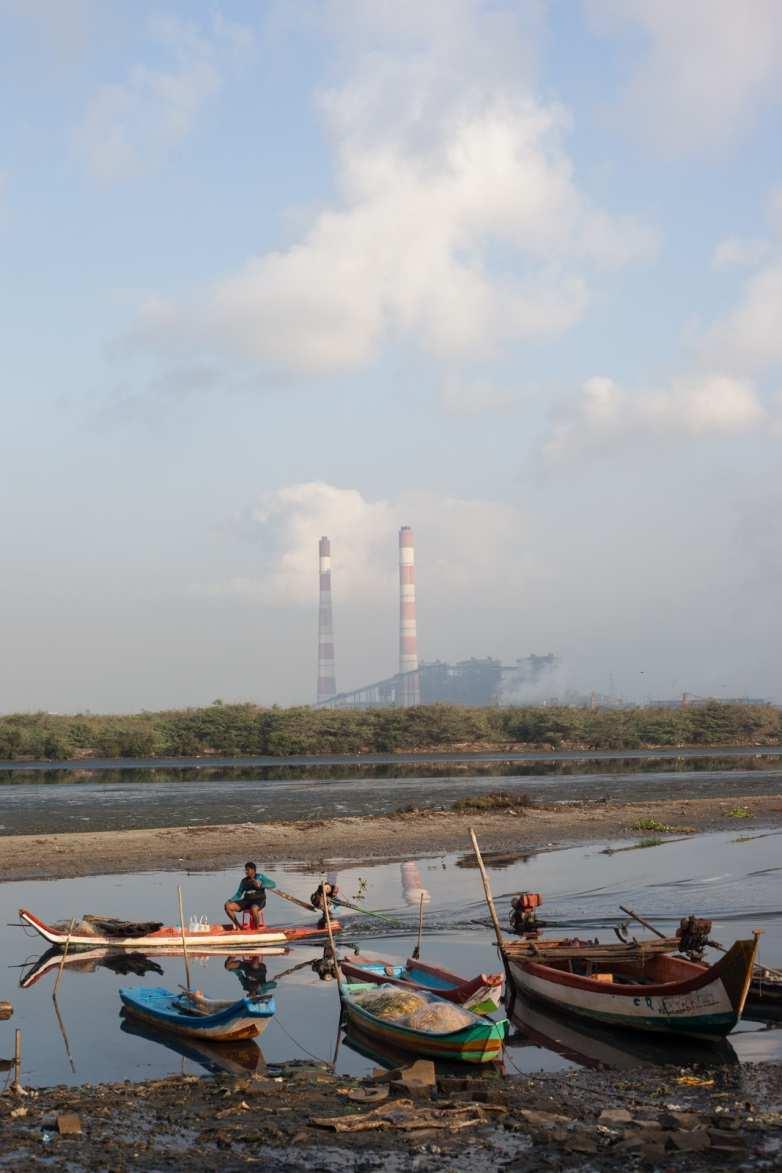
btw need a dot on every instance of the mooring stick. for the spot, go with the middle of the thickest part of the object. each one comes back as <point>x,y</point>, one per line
<point>16,1086</point>
<point>487,889</point>
<point>417,950</point>
<point>63,958</point>
<point>184,940</point>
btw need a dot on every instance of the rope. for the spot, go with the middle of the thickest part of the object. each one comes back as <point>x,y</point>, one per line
<point>296,1042</point>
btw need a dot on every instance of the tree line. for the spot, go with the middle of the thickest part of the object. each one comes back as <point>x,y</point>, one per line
<point>239,729</point>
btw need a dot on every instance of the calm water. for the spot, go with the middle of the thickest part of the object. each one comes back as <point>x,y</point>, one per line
<point>733,882</point>
<point>52,801</point>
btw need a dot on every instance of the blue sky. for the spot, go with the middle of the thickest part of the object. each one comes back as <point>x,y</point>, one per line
<point>508,272</point>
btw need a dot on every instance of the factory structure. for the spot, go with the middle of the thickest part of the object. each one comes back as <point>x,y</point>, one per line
<point>469,682</point>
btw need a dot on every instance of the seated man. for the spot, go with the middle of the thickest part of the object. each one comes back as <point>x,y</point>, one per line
<point>251,894</point>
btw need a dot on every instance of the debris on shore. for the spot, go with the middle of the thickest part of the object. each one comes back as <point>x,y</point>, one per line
<point>302,1116</point>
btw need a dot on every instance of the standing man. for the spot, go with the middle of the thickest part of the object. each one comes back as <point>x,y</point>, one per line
<point>251,894</point>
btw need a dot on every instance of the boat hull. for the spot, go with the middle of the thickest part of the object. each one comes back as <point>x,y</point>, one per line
<point>157,1007</point>
<point>218,937</point>
<point>705,1002</point>
<point>480,1042</point>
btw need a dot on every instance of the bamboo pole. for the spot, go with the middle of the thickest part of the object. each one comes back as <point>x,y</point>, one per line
<point>337,969</point>
<point>487,890</point>
<point>184,940</point>
<point>63,958</point>
<point>646,924</point>
<point>417,950</point>
<point>16,1086</point>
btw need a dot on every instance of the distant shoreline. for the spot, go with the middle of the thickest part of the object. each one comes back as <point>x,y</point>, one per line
<point>403,757</point>
<point>404,835</point>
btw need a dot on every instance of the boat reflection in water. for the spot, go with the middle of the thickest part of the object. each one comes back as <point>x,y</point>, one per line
<point>248,967</point>
<point>608,1049</point>
<point>390,1057</point>
<point>240,1058</point>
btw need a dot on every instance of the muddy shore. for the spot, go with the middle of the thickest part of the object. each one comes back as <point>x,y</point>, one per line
<point>292,1118</point>
<point>415,832</point>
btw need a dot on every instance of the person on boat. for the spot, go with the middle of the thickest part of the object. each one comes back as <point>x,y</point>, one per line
<point>325,891</point>
<point>249,896</point>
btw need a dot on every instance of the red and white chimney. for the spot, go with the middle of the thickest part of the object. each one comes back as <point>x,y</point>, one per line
<point>327,683</point>
<point>408,636</point>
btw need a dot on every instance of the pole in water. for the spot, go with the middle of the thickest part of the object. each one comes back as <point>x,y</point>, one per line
<point>417,950</point>
<point>184,940</point>
<point>487,890</point>
<point>63,958</point>
<point>16,1086</point>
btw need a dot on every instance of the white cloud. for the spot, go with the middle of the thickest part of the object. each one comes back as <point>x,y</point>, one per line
<point>130,124</point>
<point>750,336</point>
<point>470,545</point>
<point>738,252</point>
<point>606,416</point>
<point>459,224</point>
<point>709,68</point>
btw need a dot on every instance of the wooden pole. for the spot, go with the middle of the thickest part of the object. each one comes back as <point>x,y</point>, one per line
<point>16,1086</point>
<point>487,890</point>
<point>417,950</point>
<point>184,940</point>
<point>63,958</point>
<point>327,915</point>
<point>646,924</point>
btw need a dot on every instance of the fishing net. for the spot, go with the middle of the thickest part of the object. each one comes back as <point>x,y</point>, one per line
<point>439,1017</point>
<point>390,1003</point>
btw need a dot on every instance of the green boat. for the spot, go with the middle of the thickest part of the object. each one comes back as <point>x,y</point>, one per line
<point>479,1040</point>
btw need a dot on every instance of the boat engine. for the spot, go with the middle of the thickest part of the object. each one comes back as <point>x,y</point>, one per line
<point>523,919</point>
<point>693,934</point>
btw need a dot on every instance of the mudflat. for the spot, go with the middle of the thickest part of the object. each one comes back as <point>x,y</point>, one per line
<point>414,832</point>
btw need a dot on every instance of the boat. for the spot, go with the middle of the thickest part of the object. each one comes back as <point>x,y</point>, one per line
<point>217,1021</point>
<point>479,1041</point>
<point>602,1048</point>
<point>243,1057</point>
<point>122,961</point>
<point>94,932</point>
<point>634,986</point>
<point>764,1000</point>
<point>481,994</point>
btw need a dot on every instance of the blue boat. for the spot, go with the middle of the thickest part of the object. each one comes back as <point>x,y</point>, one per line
<point>196,1016</point>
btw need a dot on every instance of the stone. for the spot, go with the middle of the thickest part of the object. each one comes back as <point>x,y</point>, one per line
<point>614,1116</point>
<point>69,1124</point>
<point>690,1141</point>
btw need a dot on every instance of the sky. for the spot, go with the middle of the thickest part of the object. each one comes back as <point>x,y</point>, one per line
<point>506,271</point>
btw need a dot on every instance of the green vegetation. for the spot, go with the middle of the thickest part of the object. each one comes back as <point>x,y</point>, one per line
<point>666,828</point>
<point>633,846</point>
<point>740,812</point>
<point>234,730</point>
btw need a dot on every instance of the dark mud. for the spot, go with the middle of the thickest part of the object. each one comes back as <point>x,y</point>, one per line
<point>669,1118</point>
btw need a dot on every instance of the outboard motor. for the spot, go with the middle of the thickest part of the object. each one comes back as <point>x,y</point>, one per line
<point>693,934</point>
<point>523,919</point>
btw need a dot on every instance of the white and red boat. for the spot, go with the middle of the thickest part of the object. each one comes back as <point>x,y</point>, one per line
<point>86,934</point>
<point>633,987</point>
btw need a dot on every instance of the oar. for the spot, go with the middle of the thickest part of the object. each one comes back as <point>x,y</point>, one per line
<point>293,899</point>
<point>367,911</point>
<point>417,950</point>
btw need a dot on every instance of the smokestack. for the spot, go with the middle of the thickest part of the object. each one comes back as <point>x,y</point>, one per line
<point>408,636</point>
<point>327,684</point>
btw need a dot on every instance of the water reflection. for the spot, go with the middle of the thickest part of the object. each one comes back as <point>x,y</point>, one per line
<point>239,1058</point>
<point>722,877</point>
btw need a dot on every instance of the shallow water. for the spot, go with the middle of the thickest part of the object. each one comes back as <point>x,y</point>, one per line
<point>733,881</point>
<point>52,801</point>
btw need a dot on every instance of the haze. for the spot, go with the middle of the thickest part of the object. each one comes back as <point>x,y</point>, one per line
<point>507,272</point>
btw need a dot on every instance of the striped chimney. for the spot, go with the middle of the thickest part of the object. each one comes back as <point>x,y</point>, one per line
<point>408,637</point>
<point>327,684</point>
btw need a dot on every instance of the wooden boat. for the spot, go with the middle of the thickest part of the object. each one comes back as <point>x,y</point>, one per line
<point>117,960</point>
<point>481,1041</point>
<point>213,1020</point>
<point>243,1057</point>
<point>602,1048</point>
<point>481,994</point>
<point>634,986</point>
<point>764,1000</point>
<point>204,940</point>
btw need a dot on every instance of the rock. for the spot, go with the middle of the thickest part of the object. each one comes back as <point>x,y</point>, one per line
<point>725,1122</point>
<point>580,1141</point>
<point>544,1119</point>
<point>690,1141</point>
<point>726,1142</point>
<point>613,1116</point>
<point>69,1124</point>
<point>680,1120</point>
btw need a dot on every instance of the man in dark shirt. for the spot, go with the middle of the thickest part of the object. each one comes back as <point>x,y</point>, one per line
<point>251,894</point>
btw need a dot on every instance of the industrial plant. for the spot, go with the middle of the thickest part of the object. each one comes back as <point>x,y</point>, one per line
<point>483,681</point>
